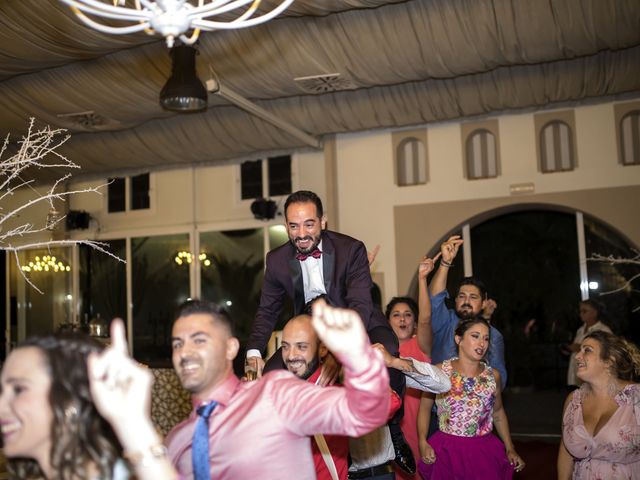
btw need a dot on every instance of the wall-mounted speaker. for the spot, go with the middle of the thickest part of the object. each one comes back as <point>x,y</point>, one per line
<point>264,209</point>
<point>78,220</point>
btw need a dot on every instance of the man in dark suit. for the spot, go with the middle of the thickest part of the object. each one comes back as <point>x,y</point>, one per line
<point>319,262</point>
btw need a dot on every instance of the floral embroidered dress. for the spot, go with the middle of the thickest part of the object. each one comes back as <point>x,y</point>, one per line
<point>467,409</point>
<point>614,452</point>
<point>464,446</point>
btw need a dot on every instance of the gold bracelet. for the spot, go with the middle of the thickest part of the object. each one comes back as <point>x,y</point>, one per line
<point>147,456</point>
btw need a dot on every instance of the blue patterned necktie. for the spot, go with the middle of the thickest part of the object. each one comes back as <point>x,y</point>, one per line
<point>200,443</point>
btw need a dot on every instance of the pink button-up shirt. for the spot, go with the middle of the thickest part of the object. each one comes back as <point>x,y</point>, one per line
<point>262,429</point>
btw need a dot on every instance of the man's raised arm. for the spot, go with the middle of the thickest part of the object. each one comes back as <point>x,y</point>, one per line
<point>448,250</point>
<point>358,408</point>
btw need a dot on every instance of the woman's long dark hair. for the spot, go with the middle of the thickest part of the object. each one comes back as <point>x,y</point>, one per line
<point>80,436</point>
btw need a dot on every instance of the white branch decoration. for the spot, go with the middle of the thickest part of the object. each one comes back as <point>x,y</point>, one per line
<point>38,148</point>
<point>611,260</point>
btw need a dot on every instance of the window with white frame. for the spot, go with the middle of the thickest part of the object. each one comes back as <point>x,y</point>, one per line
<point>481,154</point>
<point>129,193</point>
<point>630,138</point>
<point>265,178</point>
<point>556,147</point>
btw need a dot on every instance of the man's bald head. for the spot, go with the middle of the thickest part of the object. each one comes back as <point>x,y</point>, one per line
<point>300,347</point>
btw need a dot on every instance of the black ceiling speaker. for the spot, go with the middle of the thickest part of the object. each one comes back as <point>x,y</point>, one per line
<point>183,92</point>
<point>264,209</point>
<point>77,220</point>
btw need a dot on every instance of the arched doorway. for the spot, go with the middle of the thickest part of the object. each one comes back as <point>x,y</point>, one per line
<point>533,259</point>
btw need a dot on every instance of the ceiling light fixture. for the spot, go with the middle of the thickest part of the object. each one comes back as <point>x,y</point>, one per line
<point>173,18</point>
<point>183,92</point>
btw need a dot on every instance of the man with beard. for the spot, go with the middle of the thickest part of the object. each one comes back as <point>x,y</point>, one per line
<point>261,429</point>
<point>302,352</point>
<point>471,301</point>
<point>318,262</point>
<point>315,262</point>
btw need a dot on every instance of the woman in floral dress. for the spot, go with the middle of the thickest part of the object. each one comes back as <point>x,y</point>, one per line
<point>601,422</point>
<point>464,446</point>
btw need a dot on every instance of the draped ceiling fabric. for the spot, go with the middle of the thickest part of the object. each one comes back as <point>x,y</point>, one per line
<point>407,63</point>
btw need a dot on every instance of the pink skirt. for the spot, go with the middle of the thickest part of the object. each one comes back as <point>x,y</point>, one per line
<point>461,458</point>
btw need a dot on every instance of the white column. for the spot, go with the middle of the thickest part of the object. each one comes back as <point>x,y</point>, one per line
<point>582,256</point>
<point>129,276</point>
<point>466,250</point>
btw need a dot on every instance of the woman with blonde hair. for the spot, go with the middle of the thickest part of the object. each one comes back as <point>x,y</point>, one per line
<point>601,421</point>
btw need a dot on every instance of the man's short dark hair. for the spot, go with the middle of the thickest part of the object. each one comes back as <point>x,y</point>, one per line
<point>304,196</point>
<point>476,283</point>
<point>196,306</point>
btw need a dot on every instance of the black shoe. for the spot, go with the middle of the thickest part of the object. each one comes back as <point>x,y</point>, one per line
<point>404,456</point>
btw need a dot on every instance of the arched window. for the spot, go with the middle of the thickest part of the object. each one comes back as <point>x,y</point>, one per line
<point>556,147</point>
<point>481,155</point>
<point>630,138</point>
<point>411,162</point>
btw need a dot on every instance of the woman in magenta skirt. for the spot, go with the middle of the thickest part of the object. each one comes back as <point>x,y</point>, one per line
<point>464,446</point>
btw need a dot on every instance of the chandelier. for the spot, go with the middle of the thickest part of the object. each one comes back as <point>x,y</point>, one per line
<point>173,18</point>
<point>47,263</point>
<point>185,258</point>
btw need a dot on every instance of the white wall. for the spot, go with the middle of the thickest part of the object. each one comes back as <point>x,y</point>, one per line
<point>204,198</point>
<point>368,194</point>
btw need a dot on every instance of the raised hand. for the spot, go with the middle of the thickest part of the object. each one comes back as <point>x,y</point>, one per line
<point>489,308</point>
<point>371,256</point>
<point>426,265</point>
<point>449,249</point>
<point>120,387</point>
<point>341,330</point>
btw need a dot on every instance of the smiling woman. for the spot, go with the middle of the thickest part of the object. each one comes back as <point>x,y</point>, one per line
<point>50,426</point>
<point>601,424</point>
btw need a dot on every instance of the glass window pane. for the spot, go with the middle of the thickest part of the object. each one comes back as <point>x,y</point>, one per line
<point>233,277</point>
<point>481,156</point>
<point>279,175</point>
<point>607,276</point>
<point>159,285</point>
<point>277,236</point>
<point>140,192</point>
<point>34,313</point>
<point>103,286</point>
<point>116,195</point>
<point>533,274</point>
<point>251,179</point>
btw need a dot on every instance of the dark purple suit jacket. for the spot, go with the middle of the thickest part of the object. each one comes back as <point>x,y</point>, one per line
<point>347,280</point>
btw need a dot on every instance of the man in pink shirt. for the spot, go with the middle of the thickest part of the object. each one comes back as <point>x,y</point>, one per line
<point>302,352</point>
<point>262,429</point>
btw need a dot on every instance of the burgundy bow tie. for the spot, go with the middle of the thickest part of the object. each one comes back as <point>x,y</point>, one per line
<point>303,256</point>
